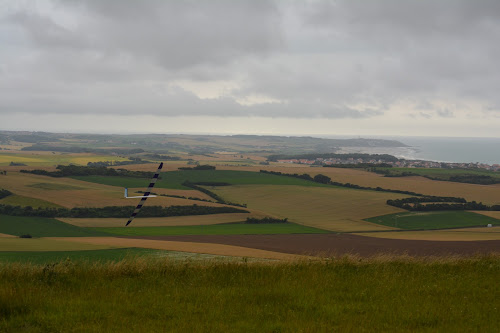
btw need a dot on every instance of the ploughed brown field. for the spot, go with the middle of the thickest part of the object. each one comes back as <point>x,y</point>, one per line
<point>342,244</point>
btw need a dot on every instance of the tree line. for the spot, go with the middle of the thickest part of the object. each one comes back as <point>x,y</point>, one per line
<point>76,170</point>
<point>4,193</point>
<point>319,178</point>
<point>217,198</point>
<point>116,211</point>
<point>439,203</point>
<point>461,178</point>
<point>265,220</point>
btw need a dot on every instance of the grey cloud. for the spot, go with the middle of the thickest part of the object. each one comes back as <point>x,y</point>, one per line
<point>342,59</point>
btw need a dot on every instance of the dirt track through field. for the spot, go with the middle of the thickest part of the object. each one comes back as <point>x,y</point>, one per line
<point>342,244</point>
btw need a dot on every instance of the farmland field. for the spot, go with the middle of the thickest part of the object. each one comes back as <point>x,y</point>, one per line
<point>44,244</point>
<point>82,193</point>
<point>433,220</point>
<point>487,194</point>
<point>105,255</point>
<point>41,227</point>
<point>19,200</point>
<point>162,221</point>
<point>443,173</point>
<point>329,208</point>
<point>217,229</point>
<point>443,235</point>
<point>49,159</point>
<point>174,179</point>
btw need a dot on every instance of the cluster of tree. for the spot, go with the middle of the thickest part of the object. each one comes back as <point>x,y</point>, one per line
<point>382,157</point>
<point>475,179</point>
<point>163,157</point>
<point>199,167</point>
<point>211,194</point>
<point>116,211</point>
<point>76,170</point>
<point>16,164</point>
<point>439,203</point>
<point>326,180</point>
<point>359,165</point>
<point>71,149</point>
<point>4,193</point>
<point>390,173</point>
<point>428,198</point>
<point>265,220</point>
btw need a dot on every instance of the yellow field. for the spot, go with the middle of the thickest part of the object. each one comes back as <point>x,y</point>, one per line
<point>218,249</point>
<point>335,209</point>
<point>487,194</point>
<point>466,234</point>
<point>47,158</point>
<point>87,194</point>
<point>161,221</point>
<point>45,244</point>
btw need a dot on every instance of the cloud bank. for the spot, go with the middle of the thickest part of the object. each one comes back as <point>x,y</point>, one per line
<point>379,60</point>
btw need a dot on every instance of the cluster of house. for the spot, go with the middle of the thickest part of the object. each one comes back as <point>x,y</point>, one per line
<point>401,163</point>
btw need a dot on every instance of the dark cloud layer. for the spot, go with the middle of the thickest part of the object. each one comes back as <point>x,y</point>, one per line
<point>312,59</point>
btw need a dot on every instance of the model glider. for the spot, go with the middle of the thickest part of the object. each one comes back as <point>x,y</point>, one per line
<point>145,196</point>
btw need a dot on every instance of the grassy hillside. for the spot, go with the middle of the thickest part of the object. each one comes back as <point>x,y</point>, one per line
<point>218,229</point>
<point>174,179</point>
<point>434,220</point>
<point>342,295</point>
<point>41,227</point>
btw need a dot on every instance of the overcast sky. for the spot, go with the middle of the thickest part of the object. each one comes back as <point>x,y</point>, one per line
<point>385,67</point>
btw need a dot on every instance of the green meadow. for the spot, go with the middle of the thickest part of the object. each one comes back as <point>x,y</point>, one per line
<point>45,257</point>
<point>336,295</point>
<point>19,200</point>
<point>434,220</point>
<point>442,173</point>
<point>215,229</point>
<point>174,179</point>
<point>42,227</point>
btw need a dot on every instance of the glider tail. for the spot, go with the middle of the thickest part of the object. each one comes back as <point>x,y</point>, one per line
<point>143,200</point>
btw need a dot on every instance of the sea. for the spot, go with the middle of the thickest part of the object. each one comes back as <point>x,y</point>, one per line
<point>440,149</point>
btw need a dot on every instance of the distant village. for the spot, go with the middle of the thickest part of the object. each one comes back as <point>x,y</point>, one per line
<point>401,163</point>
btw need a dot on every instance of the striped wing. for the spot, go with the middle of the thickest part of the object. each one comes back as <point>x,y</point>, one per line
<point>146,195</point>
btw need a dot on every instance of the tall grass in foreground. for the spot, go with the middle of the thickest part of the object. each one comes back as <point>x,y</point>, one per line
<point>348,294</point>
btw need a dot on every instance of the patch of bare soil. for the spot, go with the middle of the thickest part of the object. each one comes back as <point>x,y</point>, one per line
<point>343,244</point>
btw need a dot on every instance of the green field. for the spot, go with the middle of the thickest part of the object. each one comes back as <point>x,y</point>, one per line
<point>107,255</point>
<point>19,200</point>
<point>433,220</point>
<point>55,187</point>
<point>43,257</point>
<point>174,179</point>
<point>442,173</point>
<point>41,227</point>
<point>399,295</point>
<point>214,229</point>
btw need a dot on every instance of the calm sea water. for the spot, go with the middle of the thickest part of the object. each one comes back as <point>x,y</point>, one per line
<point>483,150</point>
